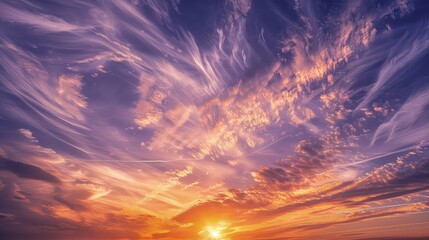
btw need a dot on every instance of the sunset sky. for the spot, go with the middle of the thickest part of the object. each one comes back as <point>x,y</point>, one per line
<point>204,120</point>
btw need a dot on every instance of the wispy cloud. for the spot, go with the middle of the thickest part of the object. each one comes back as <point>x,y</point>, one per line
<point>236,119</point>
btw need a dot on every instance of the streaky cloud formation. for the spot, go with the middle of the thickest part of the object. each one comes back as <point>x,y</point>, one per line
<point>232,119</point>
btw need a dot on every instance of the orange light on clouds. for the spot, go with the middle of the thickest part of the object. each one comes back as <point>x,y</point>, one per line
<point>233,120</point>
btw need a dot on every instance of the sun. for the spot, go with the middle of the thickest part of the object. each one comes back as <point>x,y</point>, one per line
<point>214,233</point>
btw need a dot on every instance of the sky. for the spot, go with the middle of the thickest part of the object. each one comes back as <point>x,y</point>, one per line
<point>228,120</point>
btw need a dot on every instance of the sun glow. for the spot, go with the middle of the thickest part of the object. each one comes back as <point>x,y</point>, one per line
<point>215,234</point>
<point>216,231</point>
